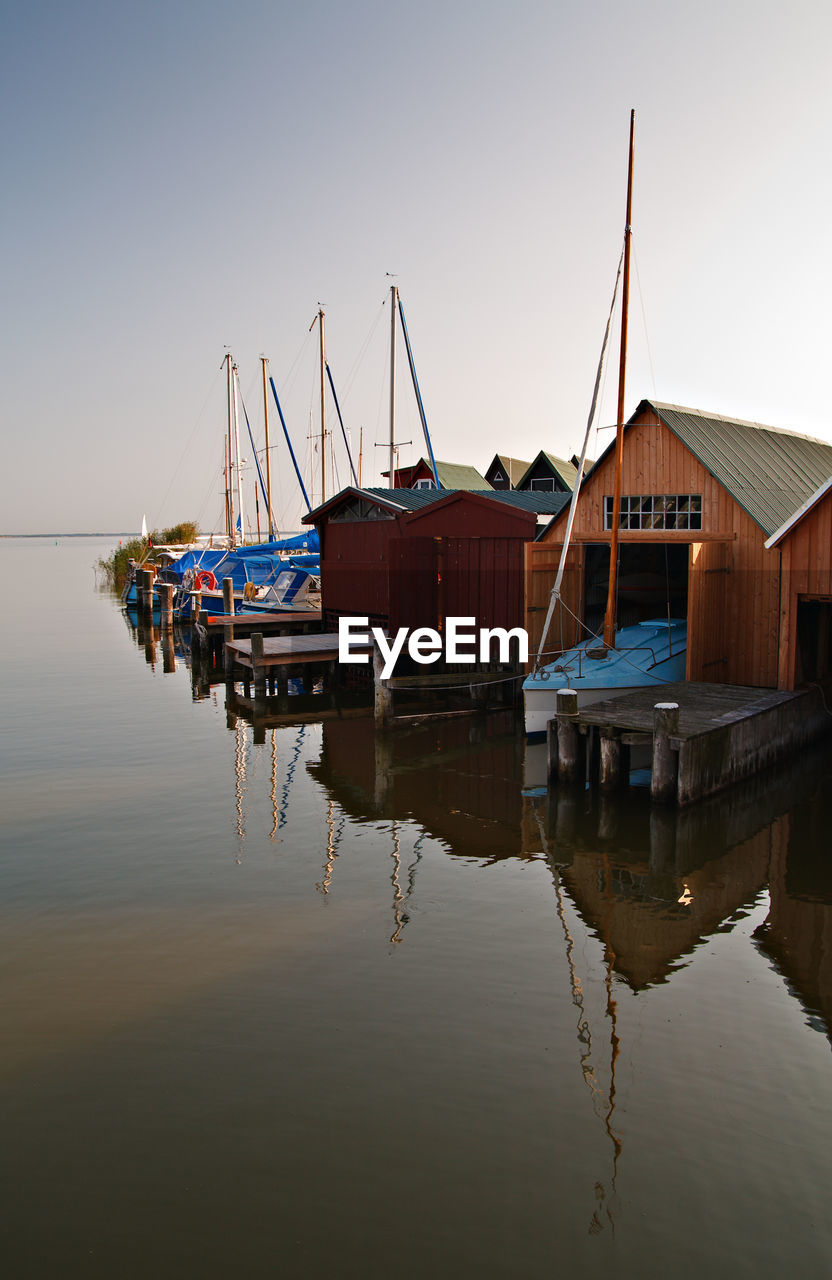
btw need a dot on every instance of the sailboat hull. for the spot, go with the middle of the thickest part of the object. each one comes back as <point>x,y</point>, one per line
<point>647,655</point>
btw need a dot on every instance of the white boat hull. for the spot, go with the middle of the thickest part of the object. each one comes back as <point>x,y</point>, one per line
<point>540,704</point>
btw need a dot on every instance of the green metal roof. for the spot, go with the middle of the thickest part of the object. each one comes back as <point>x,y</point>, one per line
<point>514,468</point>
<point>768,471</point>
<point>541,503</point>
<point>455,475</point>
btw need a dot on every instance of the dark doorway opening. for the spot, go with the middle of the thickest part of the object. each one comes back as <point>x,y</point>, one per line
<point>652,577</point>
<point>814,640</point>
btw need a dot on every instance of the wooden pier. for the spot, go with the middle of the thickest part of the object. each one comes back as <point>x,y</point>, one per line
<point>699,739</point>
<point>212,631</point>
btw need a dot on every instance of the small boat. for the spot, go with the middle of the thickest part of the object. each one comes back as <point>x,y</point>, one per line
<point>651,653</point>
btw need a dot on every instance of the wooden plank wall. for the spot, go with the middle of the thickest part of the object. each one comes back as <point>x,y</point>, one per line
<point>656,461</point>
<point>542,560</point>
<point>807,570</point>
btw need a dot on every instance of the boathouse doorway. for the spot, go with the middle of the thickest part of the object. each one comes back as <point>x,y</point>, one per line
<point>814,639</point>
<point>652,578</point>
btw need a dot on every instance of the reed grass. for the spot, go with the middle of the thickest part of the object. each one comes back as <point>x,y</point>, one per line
<point>114,569</point>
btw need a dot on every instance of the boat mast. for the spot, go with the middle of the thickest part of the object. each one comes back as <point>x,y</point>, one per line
<point>319,318</point>
<point>229,497</point>
<point>609,616</point>
<point>394,297</point>
<point>264,362</point>
<point>238,457</point>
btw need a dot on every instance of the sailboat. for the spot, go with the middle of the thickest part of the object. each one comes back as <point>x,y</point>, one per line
<point>648,654</point>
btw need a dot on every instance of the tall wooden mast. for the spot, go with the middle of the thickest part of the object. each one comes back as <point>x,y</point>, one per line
<point>229,497</point>
<point>609,616</point>
<point>264,362</point>
<point>319,319</point>
<point>394,294</point>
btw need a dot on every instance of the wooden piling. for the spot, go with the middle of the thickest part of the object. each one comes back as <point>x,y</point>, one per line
<point>144,590</point>
<point>165,590</point>
<point>257,666</point>
<point>610,770</point>
<point>665,760</point>
<point>382,695</point>
<point>569,740</point>
<point>228,606</point>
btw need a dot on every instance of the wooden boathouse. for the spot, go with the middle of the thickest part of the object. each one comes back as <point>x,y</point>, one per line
<point>705,531</point>
<point>412,557</point>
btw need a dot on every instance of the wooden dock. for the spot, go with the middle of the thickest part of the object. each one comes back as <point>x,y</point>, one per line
<point>212,630</point>
<point>699,738</point>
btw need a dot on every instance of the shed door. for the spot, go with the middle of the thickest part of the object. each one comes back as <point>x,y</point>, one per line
<point>708,578</point>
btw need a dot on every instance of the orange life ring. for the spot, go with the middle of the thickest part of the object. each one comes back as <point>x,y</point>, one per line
<point>205,581</point>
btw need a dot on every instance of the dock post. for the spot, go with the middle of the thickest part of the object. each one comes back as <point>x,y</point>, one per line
<point>144,590</point>
<point>610,770</point>
<point>383,696</point>
<point>663,784</point>
<point>551,751</point>
<point>196,605</point>
<point>257,666</point>
<point>228,605</point>
<point>165,590</point>
<point>569,740</point>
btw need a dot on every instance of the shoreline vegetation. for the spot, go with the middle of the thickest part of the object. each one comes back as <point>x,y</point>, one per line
<point>114,568</point>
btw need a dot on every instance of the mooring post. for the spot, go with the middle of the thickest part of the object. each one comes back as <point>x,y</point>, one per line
<point>569,740</point>
<point>663,784</point>
<point>228,605</point>
<point>257,666</point>
<point>383,696</point>
<point>166,603</point>
<point>196,605</point>
<point>144,590</point>
<point>610,770</point>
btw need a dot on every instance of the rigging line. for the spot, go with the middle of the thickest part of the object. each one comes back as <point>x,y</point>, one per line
<point>644,321</point>
<point>191,437</point>
<point>353,373</point>
<point>555,595</point>
<point>257,461</point>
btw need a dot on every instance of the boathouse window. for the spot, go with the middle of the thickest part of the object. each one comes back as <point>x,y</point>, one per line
<point>424,484</point>
<point>656,511</point>
<point>543,482</point>
<point>359,509</point>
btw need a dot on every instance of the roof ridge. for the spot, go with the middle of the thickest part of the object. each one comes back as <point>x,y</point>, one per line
<point>658,405</point>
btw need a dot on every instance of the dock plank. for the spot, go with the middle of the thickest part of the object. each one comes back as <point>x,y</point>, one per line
<point>702,707</point>
<point>284,650</point>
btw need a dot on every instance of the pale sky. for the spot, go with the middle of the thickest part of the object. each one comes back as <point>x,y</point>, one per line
<point>180,178</point>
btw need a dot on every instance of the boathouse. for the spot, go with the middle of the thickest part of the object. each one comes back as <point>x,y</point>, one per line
<point>413,557</point>
<point>701,496</point>
<point>504,472</point>
<point>550,474</point>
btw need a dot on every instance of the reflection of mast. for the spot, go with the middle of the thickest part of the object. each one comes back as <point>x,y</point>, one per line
<point>240,782</point>
<point>401,916</point>
<point>585,1034</point>
<point>290,771</point>
<point>273,833</point>
<point>333,839</point>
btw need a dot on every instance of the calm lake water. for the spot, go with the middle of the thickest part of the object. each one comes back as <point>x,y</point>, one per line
<point>302,1008</point>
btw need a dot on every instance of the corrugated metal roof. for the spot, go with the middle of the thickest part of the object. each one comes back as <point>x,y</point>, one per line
<point>541,503</point>
<point>409,499</point>
<point>768,471</point>
<point>456,475</point>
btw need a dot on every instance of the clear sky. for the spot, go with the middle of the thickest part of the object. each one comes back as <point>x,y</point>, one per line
<point>183,177</point>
